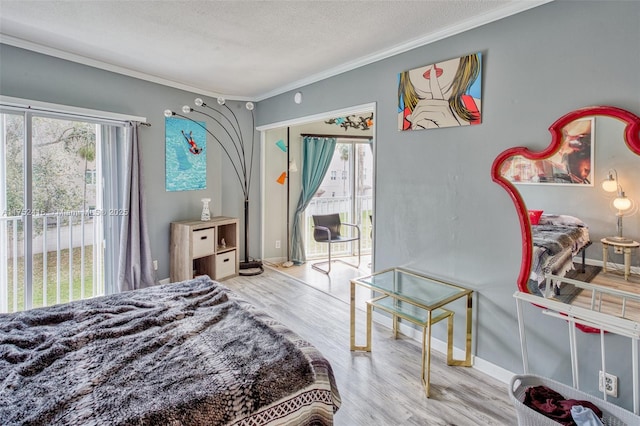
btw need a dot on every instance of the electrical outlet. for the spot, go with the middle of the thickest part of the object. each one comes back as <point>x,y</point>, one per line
<point>608,383</point>
<point>155,265</point>
<point>277,243</point>
<point>618,250</point>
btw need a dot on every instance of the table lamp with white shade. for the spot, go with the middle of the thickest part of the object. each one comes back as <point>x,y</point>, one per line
<point>622,203</point>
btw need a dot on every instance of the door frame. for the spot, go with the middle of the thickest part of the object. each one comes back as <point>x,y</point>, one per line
<point>357,109</point>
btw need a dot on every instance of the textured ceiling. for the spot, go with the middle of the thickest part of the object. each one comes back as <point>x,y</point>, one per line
<point>240,49</point>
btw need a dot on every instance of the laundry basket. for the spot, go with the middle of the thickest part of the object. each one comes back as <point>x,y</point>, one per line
<point>612,415</point>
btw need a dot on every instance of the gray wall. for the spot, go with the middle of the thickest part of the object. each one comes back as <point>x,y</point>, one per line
<point>437,209</point>
<point>33,76</point>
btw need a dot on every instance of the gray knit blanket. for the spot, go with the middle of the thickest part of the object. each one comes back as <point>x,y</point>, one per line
<point>555,238</point>
<point>181,354</point>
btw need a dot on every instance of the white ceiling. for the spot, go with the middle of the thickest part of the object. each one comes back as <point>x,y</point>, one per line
<point>247,50</point>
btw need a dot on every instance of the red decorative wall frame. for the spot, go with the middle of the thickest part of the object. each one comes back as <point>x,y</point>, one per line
<point>632,139</point>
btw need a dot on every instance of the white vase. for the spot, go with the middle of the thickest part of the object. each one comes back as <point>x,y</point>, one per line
<point>206,215</point>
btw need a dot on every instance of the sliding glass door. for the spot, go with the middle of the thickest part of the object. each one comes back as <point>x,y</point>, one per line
<point>347,189</point>
<point>51,242</point>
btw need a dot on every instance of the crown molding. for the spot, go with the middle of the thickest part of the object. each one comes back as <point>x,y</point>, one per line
<point>61,54</point>
<point>514,7</point>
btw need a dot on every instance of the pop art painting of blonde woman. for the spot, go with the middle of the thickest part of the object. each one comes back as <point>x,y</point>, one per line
<point>443,94</point>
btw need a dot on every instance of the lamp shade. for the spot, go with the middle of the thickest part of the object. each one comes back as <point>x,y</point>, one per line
<point>282,178</point>
<point>622,203</point>
<point>610,185</point>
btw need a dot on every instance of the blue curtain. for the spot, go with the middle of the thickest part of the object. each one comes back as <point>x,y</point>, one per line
<point>316,157</point>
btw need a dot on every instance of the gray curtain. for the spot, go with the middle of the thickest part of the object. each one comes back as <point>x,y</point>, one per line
<point>128,262</point>
<point>316,158</point>
<point>135,265</point>
<point>113,151</point>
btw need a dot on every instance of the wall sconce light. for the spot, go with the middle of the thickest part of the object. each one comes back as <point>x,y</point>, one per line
<point>622,203</point>
<point>282,178</point>
<point>293,167</point>
<point>280,144</point>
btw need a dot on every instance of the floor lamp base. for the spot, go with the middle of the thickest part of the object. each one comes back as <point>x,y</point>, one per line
<point>251,268</point>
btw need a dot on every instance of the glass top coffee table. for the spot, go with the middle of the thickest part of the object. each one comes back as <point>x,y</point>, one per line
<point>418,299</point>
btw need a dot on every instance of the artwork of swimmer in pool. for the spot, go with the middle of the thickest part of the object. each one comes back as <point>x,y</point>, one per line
<point>193,146</point>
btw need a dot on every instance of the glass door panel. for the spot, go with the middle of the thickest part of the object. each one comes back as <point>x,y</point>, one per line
<point>50,229</point>
<point>347,189</point>
<point>64,206</point>
<point>363,166</point>
<point>12,169</point>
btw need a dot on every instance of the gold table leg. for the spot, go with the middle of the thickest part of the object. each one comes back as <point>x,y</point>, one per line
<point>426,346</point>
<point>467,360</point>
<point>395,324</point>
<point>355,347</point>
<point>426,355</point>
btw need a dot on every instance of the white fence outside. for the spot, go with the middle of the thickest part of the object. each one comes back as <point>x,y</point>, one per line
<point>55,234</point>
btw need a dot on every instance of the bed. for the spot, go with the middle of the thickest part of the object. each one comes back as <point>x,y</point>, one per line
<point>189,353</point>
<point>557,239</point>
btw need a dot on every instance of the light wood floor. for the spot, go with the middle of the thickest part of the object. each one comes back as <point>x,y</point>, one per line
<point>382,387</point>
<point>336,283</point>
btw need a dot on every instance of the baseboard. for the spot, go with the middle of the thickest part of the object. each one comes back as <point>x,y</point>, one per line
<point>612,265</point>
<point>415,335</point>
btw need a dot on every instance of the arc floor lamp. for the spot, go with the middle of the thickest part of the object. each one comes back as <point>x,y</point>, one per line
<point>239,154</point>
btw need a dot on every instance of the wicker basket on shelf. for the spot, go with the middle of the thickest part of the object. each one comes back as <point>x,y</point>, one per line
<point>612,415</point>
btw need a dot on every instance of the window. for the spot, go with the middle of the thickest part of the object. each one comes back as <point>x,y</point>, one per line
<point>52,211</point>
<point>90,177</point>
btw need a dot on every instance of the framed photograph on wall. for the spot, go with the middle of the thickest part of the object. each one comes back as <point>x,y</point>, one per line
<point>443,94</point>
<point>572,164</point>
<point>185,155</point>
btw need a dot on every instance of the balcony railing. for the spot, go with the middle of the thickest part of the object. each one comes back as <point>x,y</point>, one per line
<point>65,261</point>
<point>343,206</point>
